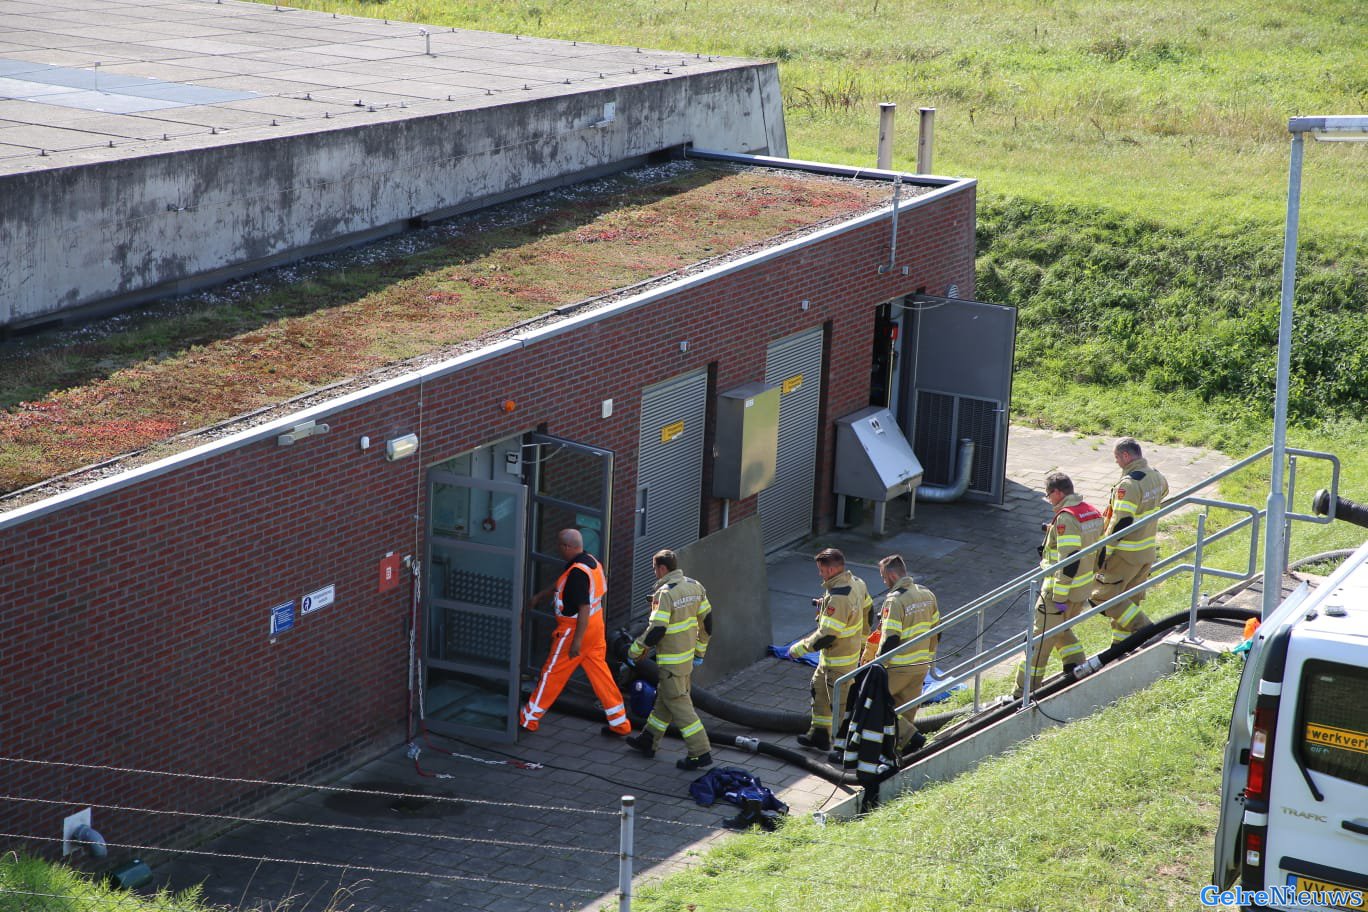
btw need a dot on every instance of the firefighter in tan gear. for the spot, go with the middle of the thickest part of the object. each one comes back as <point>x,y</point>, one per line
<point>908,612</point>
<point>1075,525</point>
<point>678,630</point>
<point>1126,563</point>
<point>842,625</point>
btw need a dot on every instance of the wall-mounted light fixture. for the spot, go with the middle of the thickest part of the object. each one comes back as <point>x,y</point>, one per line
<point>401,447</point>
<point>300,432</point>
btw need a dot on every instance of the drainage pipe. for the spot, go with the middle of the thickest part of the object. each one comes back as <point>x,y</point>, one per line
<point>952,492</point>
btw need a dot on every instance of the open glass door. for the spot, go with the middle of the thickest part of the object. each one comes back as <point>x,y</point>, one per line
<point>474,573</point>
<point>572,486</point>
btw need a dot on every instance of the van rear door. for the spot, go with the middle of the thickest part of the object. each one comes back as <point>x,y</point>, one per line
<point>1235,770</point>
<point>1318,797</point>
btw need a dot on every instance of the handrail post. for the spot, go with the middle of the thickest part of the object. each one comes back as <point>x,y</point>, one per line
<point>978,651</point>
<point>1291,499</point>
<point>1030,631</point>
<point>1196,580</point>
<point>625,837</point>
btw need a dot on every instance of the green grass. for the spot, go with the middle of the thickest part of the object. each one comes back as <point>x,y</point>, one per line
<point>1111,812</point>
<point>31,885</point>
<point>1177,112</point>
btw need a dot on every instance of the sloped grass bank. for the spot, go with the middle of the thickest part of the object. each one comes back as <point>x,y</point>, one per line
<point>30,885</point>
<point>1111,302</point>
<point>1114,812</point>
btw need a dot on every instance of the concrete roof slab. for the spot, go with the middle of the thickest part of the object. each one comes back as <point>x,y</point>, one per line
<point>112,125</point>
<point>203,46</point>
<point>290,107</point>
<point>297,58</point>
<point>347,97</point>
<point>226,65</point>
<point>206,116</point>
<point>262,85</point>
<point>325,79</point>
<point>54,139</point>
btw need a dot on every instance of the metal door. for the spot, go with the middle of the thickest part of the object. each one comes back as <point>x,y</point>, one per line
<point>794,364</point>
<point>959,385</point>
<point>473,588</point>
<point>571,487</point>
<point>669,475</point>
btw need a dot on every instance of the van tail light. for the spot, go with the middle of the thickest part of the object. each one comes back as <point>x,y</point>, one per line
<point>1256,786</point>
<point>1254,846</point>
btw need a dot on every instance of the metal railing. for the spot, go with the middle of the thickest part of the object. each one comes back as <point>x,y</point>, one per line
<point>1173,565</point>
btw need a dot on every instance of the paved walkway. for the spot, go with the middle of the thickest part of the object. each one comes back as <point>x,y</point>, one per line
<point>502,838</point>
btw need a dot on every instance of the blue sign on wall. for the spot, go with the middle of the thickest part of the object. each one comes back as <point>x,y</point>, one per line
<point>282,617</point>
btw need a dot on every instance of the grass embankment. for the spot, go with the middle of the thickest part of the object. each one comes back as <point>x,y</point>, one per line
<point>1174,111</point>
<point>30,885</point>
<point>71,398</point>
<point>1112,812</point>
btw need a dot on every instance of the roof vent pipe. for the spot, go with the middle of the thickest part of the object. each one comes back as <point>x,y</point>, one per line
<point>952,492</point>
<point>887,111</point>
<point>925,135</point>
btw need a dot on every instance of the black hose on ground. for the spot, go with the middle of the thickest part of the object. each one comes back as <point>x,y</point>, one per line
<point>1135,640</point>
<point>1338,554</point>
<point>724,737</point>
<point>758,719</point>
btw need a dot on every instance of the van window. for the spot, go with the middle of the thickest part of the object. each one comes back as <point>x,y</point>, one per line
<point>1333,733</point>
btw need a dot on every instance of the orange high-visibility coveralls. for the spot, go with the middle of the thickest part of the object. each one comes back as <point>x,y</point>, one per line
<point>560,664</point>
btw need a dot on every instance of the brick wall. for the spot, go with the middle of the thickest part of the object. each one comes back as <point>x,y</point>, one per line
<point>136,622</point>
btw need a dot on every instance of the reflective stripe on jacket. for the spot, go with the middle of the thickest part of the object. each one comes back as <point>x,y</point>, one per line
<point>598,587</point>
<point>909,611</point>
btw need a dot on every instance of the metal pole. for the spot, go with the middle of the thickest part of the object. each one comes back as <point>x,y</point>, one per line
<point>1274,551</point>
<point>1030,629</point>
<point>1291,500</point>
<point>887,112</point>
<point>628,816</point>
<point>925,139</point>
<point>978,650</point>
<point>1196,579</point>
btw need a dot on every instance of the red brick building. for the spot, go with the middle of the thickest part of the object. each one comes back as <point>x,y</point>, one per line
<point>138,608</point>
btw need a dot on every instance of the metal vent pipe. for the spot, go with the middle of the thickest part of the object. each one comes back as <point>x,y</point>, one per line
<point>955,490</point>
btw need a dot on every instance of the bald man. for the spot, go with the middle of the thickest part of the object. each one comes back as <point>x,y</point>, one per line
<point>579,639</point>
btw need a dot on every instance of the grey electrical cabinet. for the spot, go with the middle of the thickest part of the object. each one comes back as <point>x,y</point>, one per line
<point>747,443</point>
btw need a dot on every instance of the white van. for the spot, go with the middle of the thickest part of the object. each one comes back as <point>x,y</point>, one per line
<point>1294,797</point>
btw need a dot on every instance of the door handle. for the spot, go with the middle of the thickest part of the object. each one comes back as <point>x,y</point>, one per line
<point>642,494</point>
<point>1354,826</point>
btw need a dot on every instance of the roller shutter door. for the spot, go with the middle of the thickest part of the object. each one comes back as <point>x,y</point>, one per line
<point>794,364</point>
<point>669,475</point>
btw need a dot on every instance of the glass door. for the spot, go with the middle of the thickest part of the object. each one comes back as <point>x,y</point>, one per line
<point>571,487</point>
<point>474,582</point>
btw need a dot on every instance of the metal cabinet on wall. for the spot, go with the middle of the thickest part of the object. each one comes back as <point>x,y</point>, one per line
<point>794,364</point>
<point>669,475</point>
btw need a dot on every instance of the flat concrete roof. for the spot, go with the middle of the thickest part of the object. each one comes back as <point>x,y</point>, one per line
<point>85,81</point>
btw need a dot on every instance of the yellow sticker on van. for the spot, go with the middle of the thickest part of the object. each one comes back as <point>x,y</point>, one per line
<point>671,431</point>
<point>1342,738</point>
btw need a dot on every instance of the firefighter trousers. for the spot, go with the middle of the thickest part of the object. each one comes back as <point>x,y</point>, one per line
<point>905,683</point>
<point>1124,571</point>
<point>673,704</point>
<point>1065,643</point>
<point>560,664</point>
<point>822,680</point>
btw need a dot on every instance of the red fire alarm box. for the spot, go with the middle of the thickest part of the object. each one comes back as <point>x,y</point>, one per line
<point>389,572</point>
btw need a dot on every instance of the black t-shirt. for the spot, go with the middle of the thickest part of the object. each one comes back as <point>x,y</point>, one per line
<point>576,592</point>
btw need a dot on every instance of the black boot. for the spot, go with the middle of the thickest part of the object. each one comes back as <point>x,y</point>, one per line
<point>693,763</point>
<point>914,743</point>
<point>818,739</point>
<point>751,815</point>
<point>641,742</point>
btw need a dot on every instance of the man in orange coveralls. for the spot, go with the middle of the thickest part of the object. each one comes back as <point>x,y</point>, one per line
<point>579,638</point>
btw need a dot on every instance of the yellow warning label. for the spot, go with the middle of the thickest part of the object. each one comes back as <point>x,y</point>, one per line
<point>791,384</point>
<point>1342,738</point>
<point>671,431</point>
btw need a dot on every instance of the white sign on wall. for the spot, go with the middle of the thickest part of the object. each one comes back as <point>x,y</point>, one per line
<point>319,598</point>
